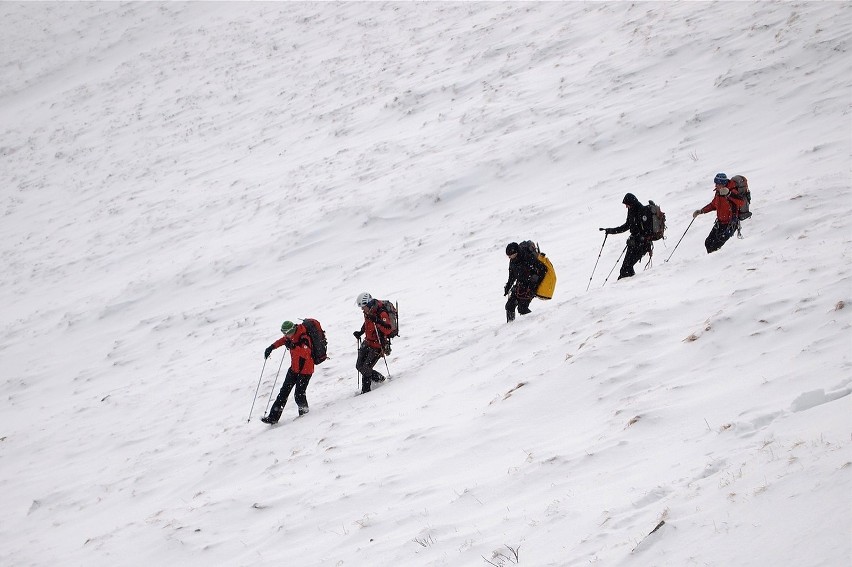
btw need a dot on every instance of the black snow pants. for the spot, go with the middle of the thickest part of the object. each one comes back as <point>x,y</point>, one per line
<point>719,235</point>
<point>300,381</point>
<point>636,248</point>
<point>519,299</point>
<point>367,359</point>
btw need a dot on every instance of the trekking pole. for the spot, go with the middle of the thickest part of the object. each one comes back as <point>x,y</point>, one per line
<point>616,264</point>
<point>266,411</point>
<point>257,390</point>
<point>596,262</point>
<point>650,258</point>
<point>681,238</point>
<point>386,364</point>
<point>382,350</point>
<point>357,372</point>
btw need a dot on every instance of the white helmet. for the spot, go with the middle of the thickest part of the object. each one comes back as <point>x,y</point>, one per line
<point>363,299</point>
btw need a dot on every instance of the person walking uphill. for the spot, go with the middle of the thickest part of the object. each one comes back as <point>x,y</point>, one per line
<point>638,244</point>
<point>727,203</point>
<point>298,342</point>
<point>525,274</point>
<point>376,330</point>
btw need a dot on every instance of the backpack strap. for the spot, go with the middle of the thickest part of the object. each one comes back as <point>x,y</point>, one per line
<point>734,208</point>
<point>302,336</point>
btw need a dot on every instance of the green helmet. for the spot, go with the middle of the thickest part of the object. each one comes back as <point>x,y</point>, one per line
<point>287,327</point>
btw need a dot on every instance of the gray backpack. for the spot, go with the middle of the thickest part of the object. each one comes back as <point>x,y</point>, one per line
<point>742,188</point>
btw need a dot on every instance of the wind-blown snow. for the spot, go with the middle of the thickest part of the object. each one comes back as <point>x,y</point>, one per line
<point>178,178</point>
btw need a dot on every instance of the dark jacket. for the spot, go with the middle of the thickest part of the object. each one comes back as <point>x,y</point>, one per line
<point>635,210</point>
<point>526,269</point>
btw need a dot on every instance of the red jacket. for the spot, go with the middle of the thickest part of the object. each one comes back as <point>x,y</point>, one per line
<point>299,345</point>
<point>376,326</point>
<point>726,207</point>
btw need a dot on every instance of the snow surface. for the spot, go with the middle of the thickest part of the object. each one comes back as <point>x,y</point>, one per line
<point>178,178</point>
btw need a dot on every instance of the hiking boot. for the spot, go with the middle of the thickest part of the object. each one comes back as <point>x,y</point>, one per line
<point>524,310</point>
<point>510,316</point>
<point>303,410</point>
<point>274,415</point>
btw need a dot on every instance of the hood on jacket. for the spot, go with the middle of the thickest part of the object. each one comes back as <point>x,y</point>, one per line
<point>631,200</point>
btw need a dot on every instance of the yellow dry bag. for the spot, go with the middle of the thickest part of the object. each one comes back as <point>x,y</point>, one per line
<point>548,284</point>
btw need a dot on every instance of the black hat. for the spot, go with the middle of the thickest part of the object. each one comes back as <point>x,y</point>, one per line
<point>630,199</point>
<point>512,248</point>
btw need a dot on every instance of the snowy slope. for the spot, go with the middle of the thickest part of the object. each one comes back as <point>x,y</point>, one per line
<point>179,178</point>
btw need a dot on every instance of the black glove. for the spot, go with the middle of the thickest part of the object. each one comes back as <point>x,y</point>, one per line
<point>358,334</point>
<point>387,349</point>
<point>506,290</point>
<point>268,351</point>
<point>603,229</point>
